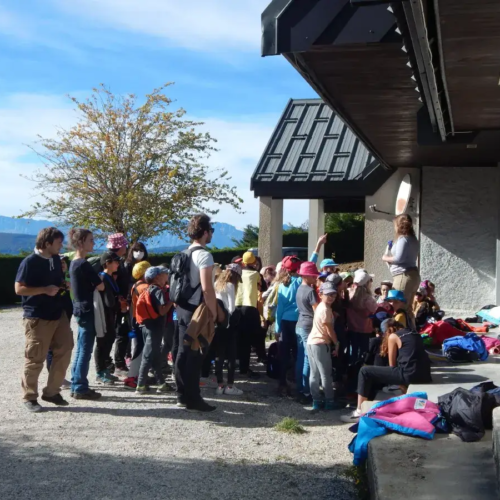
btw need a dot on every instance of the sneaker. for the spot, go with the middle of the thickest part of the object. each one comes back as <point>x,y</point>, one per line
<point>304,400</point>
<point>66,384</point>
<point>102,379</point>
<point>219,391</point>
<point>164,388</point>
<point>233,391</point>
<point>317,405</point>
<point>352,418</point>
<point>111,367</point>
<point>56,400</point>
<point>90,395</point>
<point>202,407</point>
<point>130,383</point>
<point>283,391</point>
<point>121,373</point>
<point>33,406</point>
<point>334,405</point>
<point>111,376</point>
<point>207,382</point>
<point>142,389</point>
<point>181,403</point>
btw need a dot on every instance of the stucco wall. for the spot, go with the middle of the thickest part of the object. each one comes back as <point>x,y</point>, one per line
<point>458,235</point>
<point>379,228</point>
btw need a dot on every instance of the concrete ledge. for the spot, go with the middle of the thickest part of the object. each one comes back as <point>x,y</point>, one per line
<point>496,446</point>
<point>401,467</point>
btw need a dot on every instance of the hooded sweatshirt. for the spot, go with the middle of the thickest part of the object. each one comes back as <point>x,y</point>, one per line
<point>287,302</point>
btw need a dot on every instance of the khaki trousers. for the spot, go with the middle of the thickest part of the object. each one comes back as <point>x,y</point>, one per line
<point>408,283</point>
<point>40,336</point>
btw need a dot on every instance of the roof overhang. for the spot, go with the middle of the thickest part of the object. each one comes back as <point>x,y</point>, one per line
<point>383,68</point>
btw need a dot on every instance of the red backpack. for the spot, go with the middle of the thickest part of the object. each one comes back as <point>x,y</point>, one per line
<point>144,308</point>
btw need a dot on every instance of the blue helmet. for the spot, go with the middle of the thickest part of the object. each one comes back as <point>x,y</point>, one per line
<point>395,295</point>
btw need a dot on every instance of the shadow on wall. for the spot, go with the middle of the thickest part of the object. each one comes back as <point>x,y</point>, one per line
<point>458,239</point>
<point>67,473</point>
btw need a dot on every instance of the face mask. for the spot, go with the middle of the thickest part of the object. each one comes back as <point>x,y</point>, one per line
<point>138,255</point>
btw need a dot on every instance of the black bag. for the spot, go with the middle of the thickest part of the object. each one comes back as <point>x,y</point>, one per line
<point>273,366</point>
<point>180,281</point>
<point>458,355</point>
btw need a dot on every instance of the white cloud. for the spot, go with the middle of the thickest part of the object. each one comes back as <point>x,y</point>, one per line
<point>241,141</point>
<point>204,25</point>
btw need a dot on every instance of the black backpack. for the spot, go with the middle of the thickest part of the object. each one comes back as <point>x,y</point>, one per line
<point>273,362</point>
<point>180,281</point>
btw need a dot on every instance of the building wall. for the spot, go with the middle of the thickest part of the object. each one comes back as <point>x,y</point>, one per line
<point>459,214</point>
<point>379,228</point>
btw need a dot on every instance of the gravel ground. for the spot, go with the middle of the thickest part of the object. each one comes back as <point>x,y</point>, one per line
<point>142,447</point>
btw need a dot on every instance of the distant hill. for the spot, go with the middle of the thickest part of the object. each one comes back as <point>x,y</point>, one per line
<point>16,243</point>
<point>17,235</point>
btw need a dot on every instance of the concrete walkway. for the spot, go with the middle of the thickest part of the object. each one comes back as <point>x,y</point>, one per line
<point>415,469</point>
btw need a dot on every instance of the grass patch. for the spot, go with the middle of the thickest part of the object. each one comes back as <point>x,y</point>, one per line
<point>290,426</point>
<point>358,475</point>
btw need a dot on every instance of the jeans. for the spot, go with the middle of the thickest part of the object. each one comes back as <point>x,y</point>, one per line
<point>286,345</point>
<point>249,332</point>
<point>151,354</point>
<point>84,347</point>
<point>104,344</point>
<point>187,365</point>
<point>175,341</point>
<point>302,368</point>
<point>168,340</point>
<point>320,358</point>
<point>370,376</point>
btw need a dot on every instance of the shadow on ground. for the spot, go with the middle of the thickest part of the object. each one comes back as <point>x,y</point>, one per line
<point>63,473</point>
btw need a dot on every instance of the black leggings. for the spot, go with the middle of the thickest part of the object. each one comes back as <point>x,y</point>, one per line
<point>249,329</point>
<point>226,347</point>
<point>370,376</point>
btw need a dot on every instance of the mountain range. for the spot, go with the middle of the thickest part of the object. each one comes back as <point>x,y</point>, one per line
<point>18,235</point>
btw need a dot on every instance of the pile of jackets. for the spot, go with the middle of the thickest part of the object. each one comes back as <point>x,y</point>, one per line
<point>469,413</point>
<point>465,349</point>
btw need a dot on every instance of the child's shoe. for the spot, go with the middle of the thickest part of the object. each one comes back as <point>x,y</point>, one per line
<point>233,391</point>
<point>334,405</point>
<point>130,383</point>
<point>219,391</point>
<point>103,379</point>
<point>317,405</point>
<point>164,388</point>
<point>142,389</point>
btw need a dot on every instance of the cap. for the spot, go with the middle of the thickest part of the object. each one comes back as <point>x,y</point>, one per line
<point>308,269</point>
<point>327,288</point>
<point>116,241</point>
<point>362,278</point>
<point>386,283</point>
<point>291,263</point>
<point>334,278</point>
<point>236,268</point>
<point>249,258</point>
<point>422,291</point>
<point>109,257</point>
<point>327,263</point>
<point>154,272</point>
<point>346,275</point>
<point>384,325</point>
<point>323,276</point>
<point>139,269</point>
<point>395,295</point>
<point>267,268</point>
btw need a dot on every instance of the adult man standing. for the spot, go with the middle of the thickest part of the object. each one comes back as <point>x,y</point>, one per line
<point>117,244</point>
<point>39,281</point>
<point>189,361</point>
<point>246,301</point>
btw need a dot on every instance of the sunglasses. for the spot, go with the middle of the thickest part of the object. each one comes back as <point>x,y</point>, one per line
<point>212,230</point>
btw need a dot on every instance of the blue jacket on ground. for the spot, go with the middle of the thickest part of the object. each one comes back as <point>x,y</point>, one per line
<point>287,302</point>
<point>471,342</point>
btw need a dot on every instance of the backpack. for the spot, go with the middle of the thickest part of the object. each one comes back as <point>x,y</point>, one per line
<point>180,278</point>
<point>144,308</point>
<point>136,292</point>
<point>273,364</point>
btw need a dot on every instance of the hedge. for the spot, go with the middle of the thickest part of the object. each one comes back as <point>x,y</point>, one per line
<point>10,263</point>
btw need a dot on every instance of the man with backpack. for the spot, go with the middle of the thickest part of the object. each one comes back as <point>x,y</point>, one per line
<point>191,284</point>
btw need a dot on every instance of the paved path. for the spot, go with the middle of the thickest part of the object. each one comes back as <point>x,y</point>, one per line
<point>142,447</point>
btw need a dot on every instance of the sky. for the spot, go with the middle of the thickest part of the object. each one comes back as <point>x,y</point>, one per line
<point>50,49</point>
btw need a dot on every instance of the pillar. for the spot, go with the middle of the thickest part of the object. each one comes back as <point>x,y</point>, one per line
<point>270,230</point>
<point>316,226</point>
<point>497,284</point>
